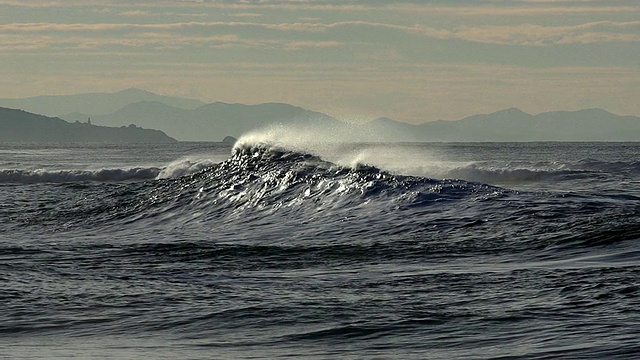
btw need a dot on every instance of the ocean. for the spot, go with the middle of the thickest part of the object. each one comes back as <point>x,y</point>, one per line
<point>268,249</point>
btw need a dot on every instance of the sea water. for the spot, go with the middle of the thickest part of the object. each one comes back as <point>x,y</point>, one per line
<point>273,249</point>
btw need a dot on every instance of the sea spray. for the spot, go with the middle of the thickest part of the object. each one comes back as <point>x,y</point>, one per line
<point>349,146</point>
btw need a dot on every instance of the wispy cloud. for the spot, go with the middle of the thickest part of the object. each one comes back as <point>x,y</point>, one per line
<point>296,45</point>
<point>154,37</point>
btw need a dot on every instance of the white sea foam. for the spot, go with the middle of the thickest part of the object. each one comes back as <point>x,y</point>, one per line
<point>183,167</point>
<point>343,145</point>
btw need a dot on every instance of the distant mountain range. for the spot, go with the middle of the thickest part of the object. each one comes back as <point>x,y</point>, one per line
<point>193,120</point>
<point>211,122</point>
<point>516,125</point>
<point>21,126</point>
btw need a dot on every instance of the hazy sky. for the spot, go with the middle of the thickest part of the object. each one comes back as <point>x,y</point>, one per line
<point>409,60</point>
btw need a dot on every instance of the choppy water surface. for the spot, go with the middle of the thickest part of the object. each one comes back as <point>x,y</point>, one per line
<point>195,250</point>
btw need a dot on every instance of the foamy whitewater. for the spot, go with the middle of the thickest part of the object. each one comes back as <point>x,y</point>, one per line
<point>287,246</point>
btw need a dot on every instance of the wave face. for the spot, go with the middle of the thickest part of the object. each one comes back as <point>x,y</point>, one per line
<point>330,251</point>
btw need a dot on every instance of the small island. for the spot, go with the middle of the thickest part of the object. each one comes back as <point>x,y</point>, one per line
<point>21,126</point>
<point>230,140</point>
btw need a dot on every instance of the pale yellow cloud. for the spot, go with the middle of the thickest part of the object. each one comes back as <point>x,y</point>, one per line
<point>249,15</point>
<point>297,45</point>
<point>152,38</point>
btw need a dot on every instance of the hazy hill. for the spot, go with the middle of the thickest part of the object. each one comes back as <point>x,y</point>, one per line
<point>211,122</point>
<point>587,125</point>
<point>503,125</point>
<point>385,129</point>
<point>22,126</point>
<point>516,125</point>
<point>93,103</point>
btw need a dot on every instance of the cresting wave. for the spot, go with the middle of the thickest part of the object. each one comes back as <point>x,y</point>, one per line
<point>262,179</point>
<point>270,171</point>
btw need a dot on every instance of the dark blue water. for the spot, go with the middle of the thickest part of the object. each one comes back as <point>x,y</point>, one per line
<point>438,251</point>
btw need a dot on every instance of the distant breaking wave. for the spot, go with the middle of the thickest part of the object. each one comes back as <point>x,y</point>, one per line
<point>540,172</point>
<point>474,172</point>
<point>70,176</point>
<point>174,170</point>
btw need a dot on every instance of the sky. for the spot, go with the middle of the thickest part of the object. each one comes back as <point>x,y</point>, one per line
<point>411,61</point>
